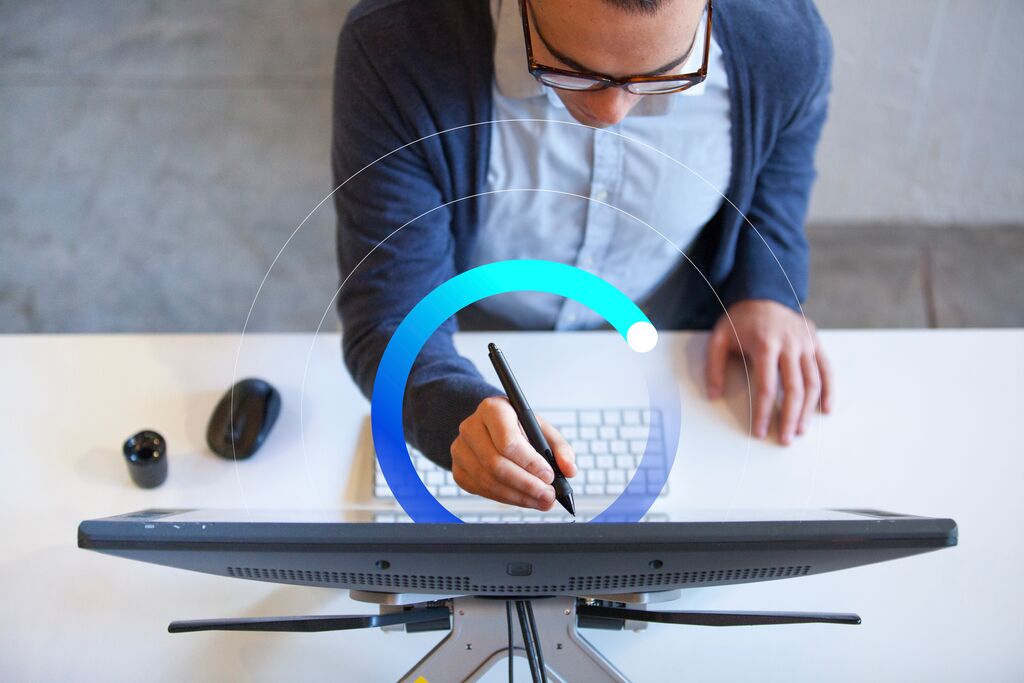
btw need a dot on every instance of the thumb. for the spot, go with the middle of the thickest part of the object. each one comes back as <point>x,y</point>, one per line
<point>718,354</point>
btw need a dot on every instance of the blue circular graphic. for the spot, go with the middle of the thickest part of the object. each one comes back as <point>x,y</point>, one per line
<point>497,278</point>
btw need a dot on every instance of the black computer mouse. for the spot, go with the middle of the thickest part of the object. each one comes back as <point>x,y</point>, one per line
<point>256,407</point>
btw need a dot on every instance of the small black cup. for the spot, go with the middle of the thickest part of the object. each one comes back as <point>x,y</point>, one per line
<point>146,454</point>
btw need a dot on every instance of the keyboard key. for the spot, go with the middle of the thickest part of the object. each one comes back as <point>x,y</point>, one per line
<point>612,417</point>
<point>619,447</point>
<point>599,447</point>
<point>631,417</point>
<point>585,462</point>
<point>590,417</point>
<point>627,432</point>
<point>596,476</point>
<point>569,433</point>
<point>624,462</point>
<point>616,476</point>
<point>605,462</point>
<point>580,447</point>
<point>594,489</point>
<point>637,446</point>
<point>608,433</point>
<point>651,461</point>
<point>588,432</point>
<point>615,489</point>
<point>559,417</point>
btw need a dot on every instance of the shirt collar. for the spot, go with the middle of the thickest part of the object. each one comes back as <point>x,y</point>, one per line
<point>515,82</point>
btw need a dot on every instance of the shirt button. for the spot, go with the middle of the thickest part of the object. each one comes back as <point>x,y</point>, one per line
<point>601,195</point>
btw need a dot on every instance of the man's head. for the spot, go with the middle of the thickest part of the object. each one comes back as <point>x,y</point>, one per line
<point>616,38</point>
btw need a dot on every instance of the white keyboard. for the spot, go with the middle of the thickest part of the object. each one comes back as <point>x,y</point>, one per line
<point>609,444</point>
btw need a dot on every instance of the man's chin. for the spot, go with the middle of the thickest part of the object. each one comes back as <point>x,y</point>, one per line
<point>587,120</point>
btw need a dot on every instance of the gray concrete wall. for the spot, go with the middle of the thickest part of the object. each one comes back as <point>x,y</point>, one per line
<point>926,121</point>
<point>156,156</point>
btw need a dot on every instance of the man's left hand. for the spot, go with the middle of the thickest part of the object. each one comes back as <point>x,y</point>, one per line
<point>783,349</point>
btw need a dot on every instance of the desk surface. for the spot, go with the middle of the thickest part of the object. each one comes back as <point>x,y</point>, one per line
<point>926,423</point>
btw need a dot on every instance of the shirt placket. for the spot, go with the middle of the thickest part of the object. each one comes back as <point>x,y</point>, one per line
<point>599,224</point>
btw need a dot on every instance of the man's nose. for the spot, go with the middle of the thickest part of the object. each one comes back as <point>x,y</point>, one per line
<point>611,105</point>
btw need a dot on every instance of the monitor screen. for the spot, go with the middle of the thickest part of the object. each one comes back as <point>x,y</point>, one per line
<point>349,550</point>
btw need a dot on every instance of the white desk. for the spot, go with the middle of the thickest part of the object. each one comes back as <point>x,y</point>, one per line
<point>926,423</point>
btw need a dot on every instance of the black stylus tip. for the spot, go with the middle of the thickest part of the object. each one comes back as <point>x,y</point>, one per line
<point>568,503</point>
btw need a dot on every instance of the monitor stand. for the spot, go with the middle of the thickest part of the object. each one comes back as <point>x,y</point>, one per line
<point>479,637</point>
<point>545,631</point>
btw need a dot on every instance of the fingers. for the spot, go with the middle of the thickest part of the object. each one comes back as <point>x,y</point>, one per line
<point>792,395</point>
<point>812,390</point>
<point>492,457</point>
<point>765,388</point>
<point>718,354</point>
<point>509,440</point>
<point>783,348</point>
<point>827,379</point>
<point>504,485</point>
<point>564,455</point>
<point>478,468</point>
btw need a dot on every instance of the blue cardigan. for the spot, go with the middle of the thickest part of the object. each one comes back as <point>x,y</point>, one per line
<point>407,69</point>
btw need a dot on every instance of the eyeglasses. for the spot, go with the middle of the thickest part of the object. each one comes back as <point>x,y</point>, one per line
<point>565,79</point>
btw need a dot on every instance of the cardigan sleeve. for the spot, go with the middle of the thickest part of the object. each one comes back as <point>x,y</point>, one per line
<point>772,256</point>
<point>394,243</point>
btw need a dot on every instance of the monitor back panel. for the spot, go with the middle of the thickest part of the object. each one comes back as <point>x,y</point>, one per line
<point>517,559</point>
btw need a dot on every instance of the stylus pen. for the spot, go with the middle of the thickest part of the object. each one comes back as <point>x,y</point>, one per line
<point>563,492</point>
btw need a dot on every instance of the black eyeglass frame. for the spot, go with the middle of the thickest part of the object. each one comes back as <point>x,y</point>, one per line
<point>603,81</point>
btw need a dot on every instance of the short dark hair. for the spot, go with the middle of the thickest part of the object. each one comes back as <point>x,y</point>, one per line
<point>638,6</point>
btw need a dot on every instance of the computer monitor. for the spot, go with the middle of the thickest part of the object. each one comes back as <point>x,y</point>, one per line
<point>698,548</point>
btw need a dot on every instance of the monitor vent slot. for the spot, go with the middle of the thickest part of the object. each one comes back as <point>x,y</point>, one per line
<point>628,581</point>
<point>462,584</point>
<point>526,589</point>
<point>382,580</point>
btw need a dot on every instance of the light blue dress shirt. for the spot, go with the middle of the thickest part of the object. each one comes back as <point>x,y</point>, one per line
<point>597,199</point>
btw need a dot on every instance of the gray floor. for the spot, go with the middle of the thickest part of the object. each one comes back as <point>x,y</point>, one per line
<point>878,276</point>
<point>155,157</point>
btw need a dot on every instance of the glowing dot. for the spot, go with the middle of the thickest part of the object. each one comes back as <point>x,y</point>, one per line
<point>641,337</point>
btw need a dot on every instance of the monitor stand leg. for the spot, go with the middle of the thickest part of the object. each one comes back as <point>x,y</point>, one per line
<point>479,640</point>
<point>479,629</point>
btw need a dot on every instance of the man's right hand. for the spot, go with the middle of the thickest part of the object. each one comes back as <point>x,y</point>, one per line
<point>492,457</point>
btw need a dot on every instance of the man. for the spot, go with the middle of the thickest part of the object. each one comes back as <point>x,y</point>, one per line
<point>473,131</point>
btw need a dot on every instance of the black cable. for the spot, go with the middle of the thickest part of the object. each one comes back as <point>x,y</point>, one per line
<point>536,640</point>
<point>528,641</point>
<point>508,624</point>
